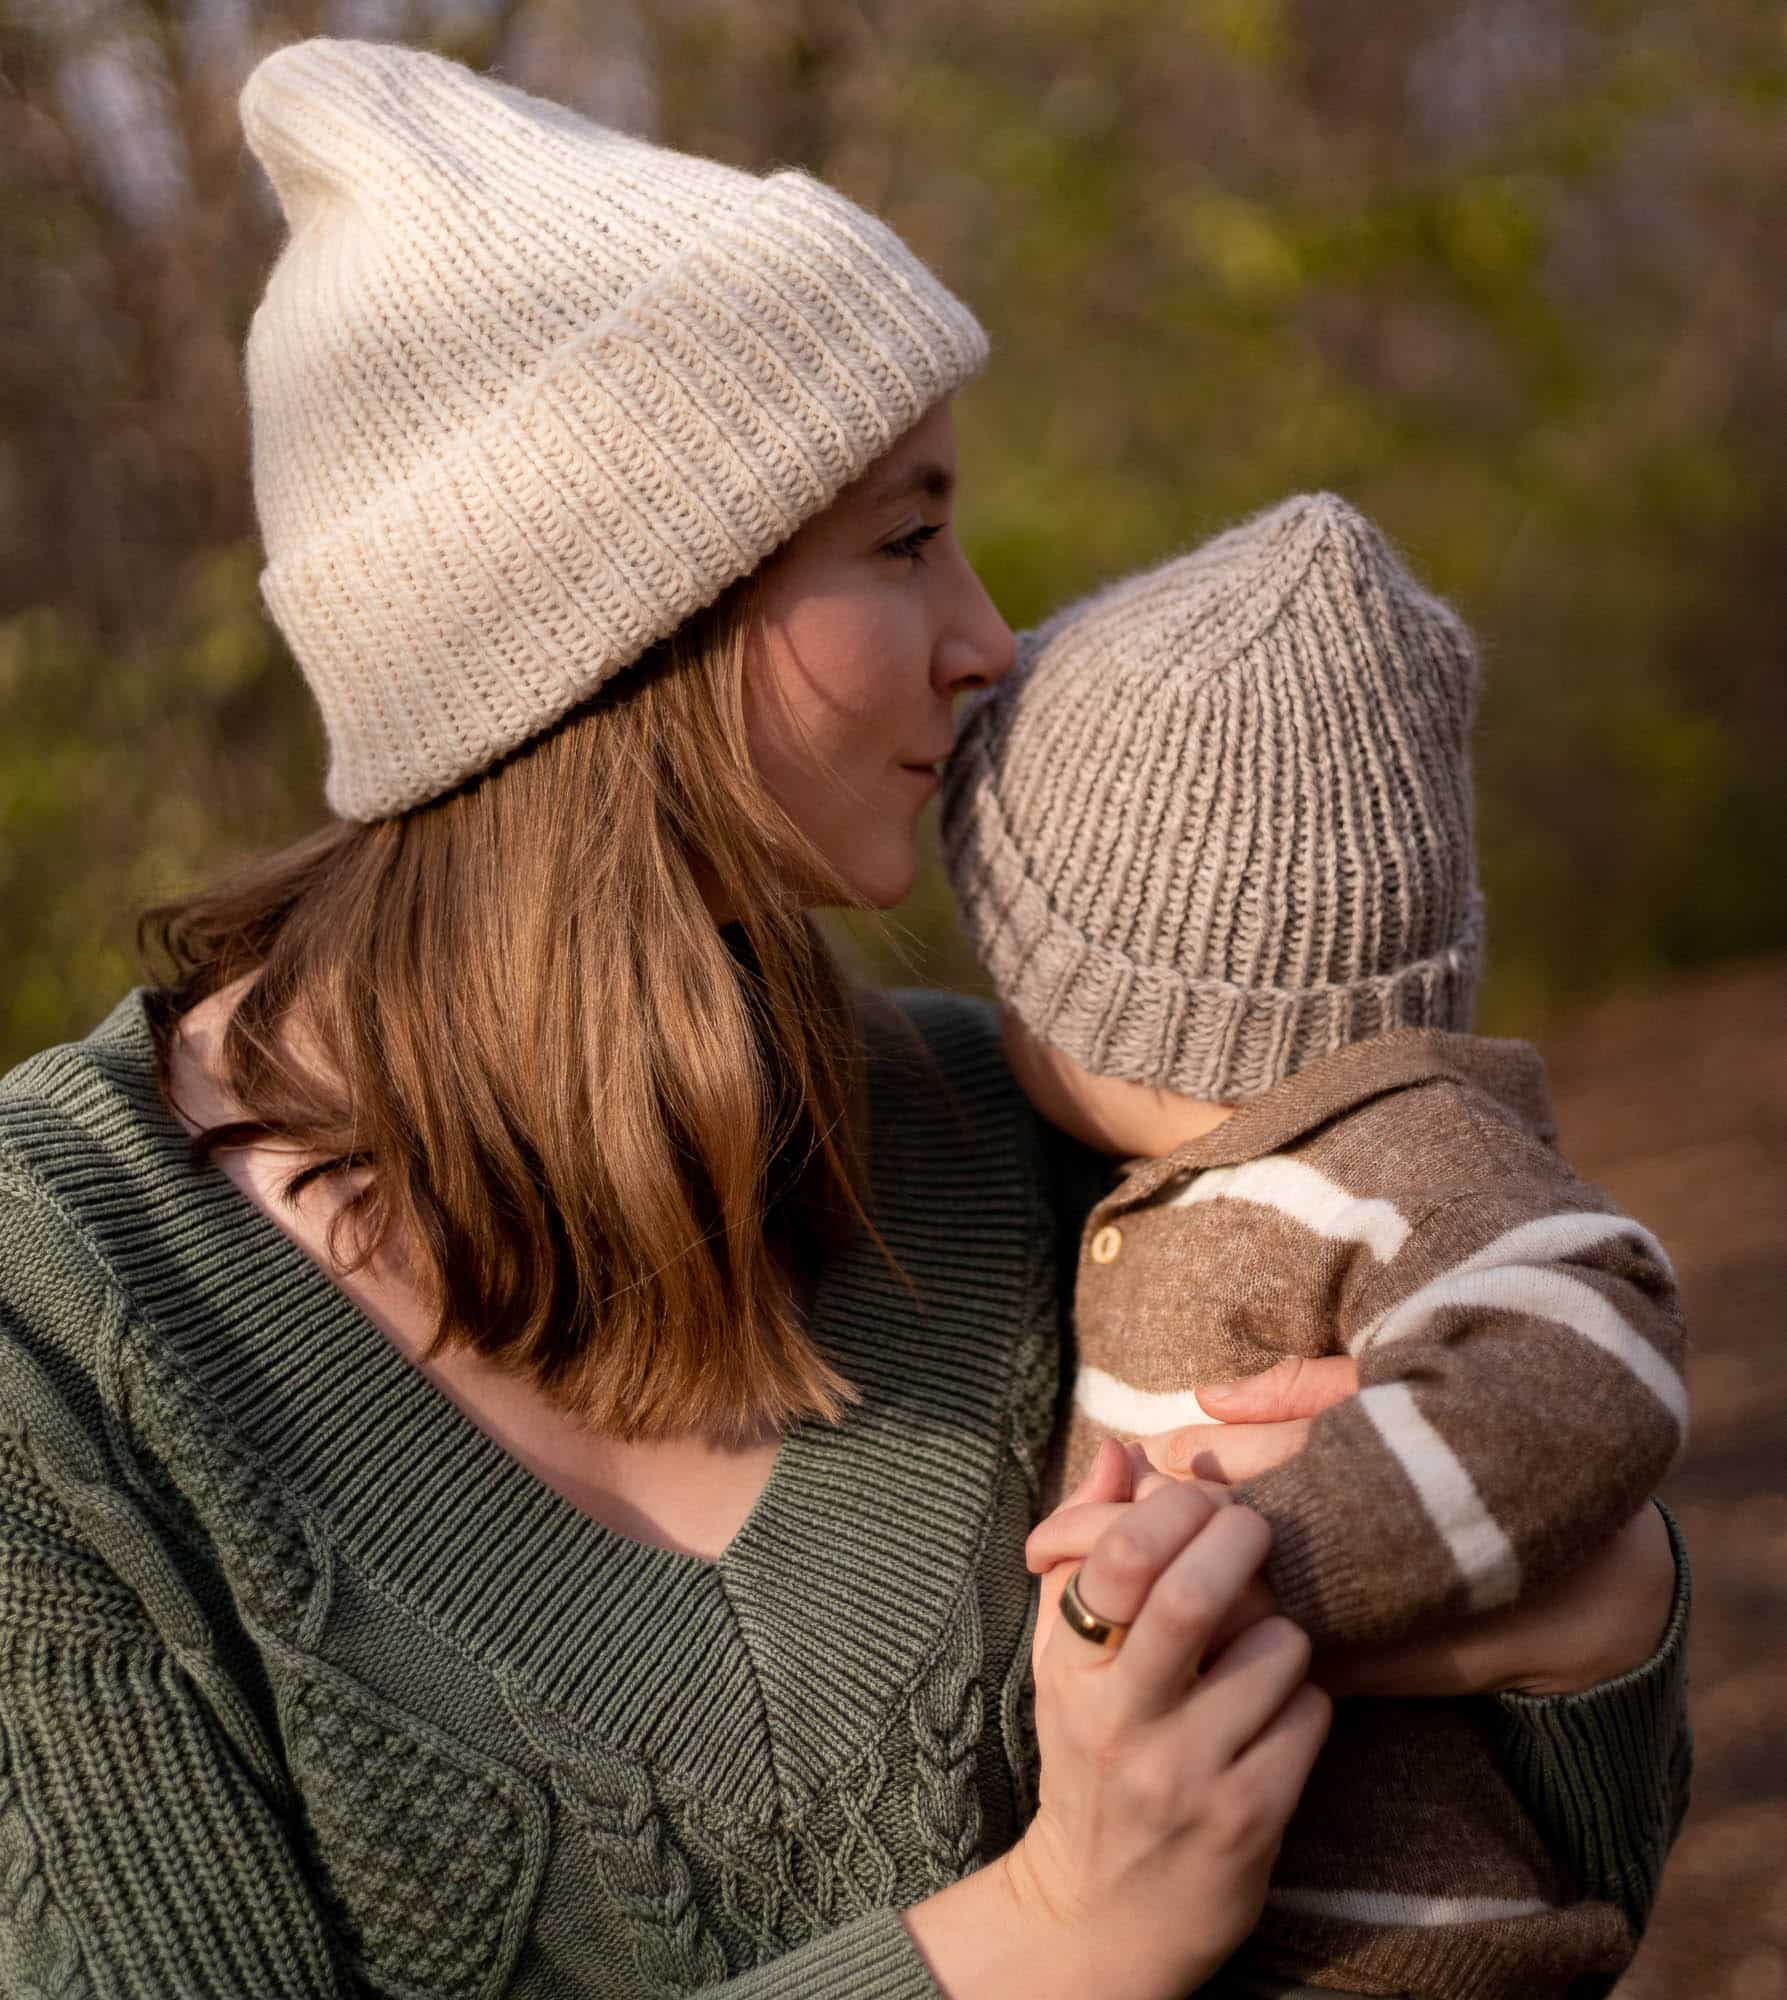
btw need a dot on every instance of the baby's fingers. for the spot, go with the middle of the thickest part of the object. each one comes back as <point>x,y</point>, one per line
<point>1229,1453</point>
<point>1110,1476</point>
<point>1297,1386</point>
<point>1213,1490</point>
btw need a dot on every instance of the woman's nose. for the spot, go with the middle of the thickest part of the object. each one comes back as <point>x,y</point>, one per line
<point>978,648</point>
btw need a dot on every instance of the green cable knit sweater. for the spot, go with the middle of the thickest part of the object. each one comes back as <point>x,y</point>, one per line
<point>307,1688</point>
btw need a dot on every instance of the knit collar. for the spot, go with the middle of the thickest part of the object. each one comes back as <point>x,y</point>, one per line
<point>751,1678</point>
<point>1341,1081</point>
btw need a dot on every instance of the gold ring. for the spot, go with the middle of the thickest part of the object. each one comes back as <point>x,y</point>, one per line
<point>1088,1624</point>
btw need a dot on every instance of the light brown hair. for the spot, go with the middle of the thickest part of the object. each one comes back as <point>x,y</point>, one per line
<point>607,1132</point>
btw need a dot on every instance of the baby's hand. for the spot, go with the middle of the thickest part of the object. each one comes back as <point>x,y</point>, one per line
<point>1062,1540</point>
<point>1256,1423</point>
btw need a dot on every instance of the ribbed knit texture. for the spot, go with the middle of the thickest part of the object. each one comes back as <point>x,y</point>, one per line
<point>307,1688</point>
<point>526,393</point>
<point>1553,1752</point>
<point>1218,821</point>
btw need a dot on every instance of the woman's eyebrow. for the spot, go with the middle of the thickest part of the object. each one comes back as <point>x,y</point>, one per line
<point>926,479</point>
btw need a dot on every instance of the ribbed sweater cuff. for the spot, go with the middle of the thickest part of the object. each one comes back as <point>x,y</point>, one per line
<point>1605,1772</point>
<point>873,1958</point>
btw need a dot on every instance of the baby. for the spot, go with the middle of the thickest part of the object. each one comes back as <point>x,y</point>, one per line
<point>1212,842</point>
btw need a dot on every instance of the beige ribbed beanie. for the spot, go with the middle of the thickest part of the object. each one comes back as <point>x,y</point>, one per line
<point>526,393</point>
<point>1218,820</point>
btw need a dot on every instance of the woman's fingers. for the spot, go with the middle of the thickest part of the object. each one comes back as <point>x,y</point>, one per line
<point>1069,1534</point>
<point>1159,1810</point>
<point>1244,1686</point>
<point>1190,1597</point>
<point>1071,1531</point>
<point>1254,1603</point>
<point>1128,1558</point>
<point>1109,1480</point>
<point>1269,1775</point>
<point>1297,1386</point>
<point>1225,1452</point>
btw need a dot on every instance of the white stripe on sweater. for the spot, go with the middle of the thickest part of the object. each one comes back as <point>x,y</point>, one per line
<point>1548,1239</point>
<point>1136,1412</point>
<point>1484,1555</point>
<point>1308,1197</point>
<point>1377,1907</point>
<point>1555,1239</point>
<point>1539,1293</point>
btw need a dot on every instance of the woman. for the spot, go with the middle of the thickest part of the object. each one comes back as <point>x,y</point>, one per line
<point>533,1501</point>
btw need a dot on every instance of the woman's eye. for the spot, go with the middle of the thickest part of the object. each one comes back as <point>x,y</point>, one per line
<point>911,547</point>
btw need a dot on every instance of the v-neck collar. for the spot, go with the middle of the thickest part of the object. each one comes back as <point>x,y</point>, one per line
<point>751,1676</point>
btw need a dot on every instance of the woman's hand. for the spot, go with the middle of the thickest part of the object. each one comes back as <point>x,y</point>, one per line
<point>1064,1539</point>
<point>1170,1765</point>
<point>1605,1618</point>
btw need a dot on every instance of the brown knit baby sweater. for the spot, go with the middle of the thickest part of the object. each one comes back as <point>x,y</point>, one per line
<point>1519,1351</point>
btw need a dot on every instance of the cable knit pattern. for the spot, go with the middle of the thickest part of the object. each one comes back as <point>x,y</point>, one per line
<point>1218,821</point>
<point>948,1709</point>
<point>614,1805</point>
<point>308,1689</point>
<point>526,393</point>
<point>39,1958</point>
<point>1038,1382</point>
<point>1017,1719</point>
<point>830,1862</point>
<point>784,1878</point>
<point>44,1578</point>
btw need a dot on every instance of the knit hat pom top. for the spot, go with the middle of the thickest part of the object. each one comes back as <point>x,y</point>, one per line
<point>1217,822</point>
<point>526,393</point>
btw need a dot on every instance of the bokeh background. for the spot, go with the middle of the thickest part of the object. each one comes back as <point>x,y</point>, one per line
<point>1511,274</point>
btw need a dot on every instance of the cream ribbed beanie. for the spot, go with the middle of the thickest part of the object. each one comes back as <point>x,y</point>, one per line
<point>526,393</point>
<point>1218,820</point>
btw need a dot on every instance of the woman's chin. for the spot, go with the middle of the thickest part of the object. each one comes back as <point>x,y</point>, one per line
<point>884,881</point>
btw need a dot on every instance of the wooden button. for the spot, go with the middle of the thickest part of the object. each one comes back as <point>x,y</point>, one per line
<point>1107,1244</point>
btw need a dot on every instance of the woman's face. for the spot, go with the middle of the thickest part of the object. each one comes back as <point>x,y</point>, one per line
<point>872,624</point>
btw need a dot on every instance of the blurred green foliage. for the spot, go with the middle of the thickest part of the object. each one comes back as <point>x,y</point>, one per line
<point>1505,272</point>
<point>127,776</point>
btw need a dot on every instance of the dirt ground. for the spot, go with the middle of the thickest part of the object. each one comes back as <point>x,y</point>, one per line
<point>1677,1102</point>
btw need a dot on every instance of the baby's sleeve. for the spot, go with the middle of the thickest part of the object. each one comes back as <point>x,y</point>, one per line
<point>1521,1395</point>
